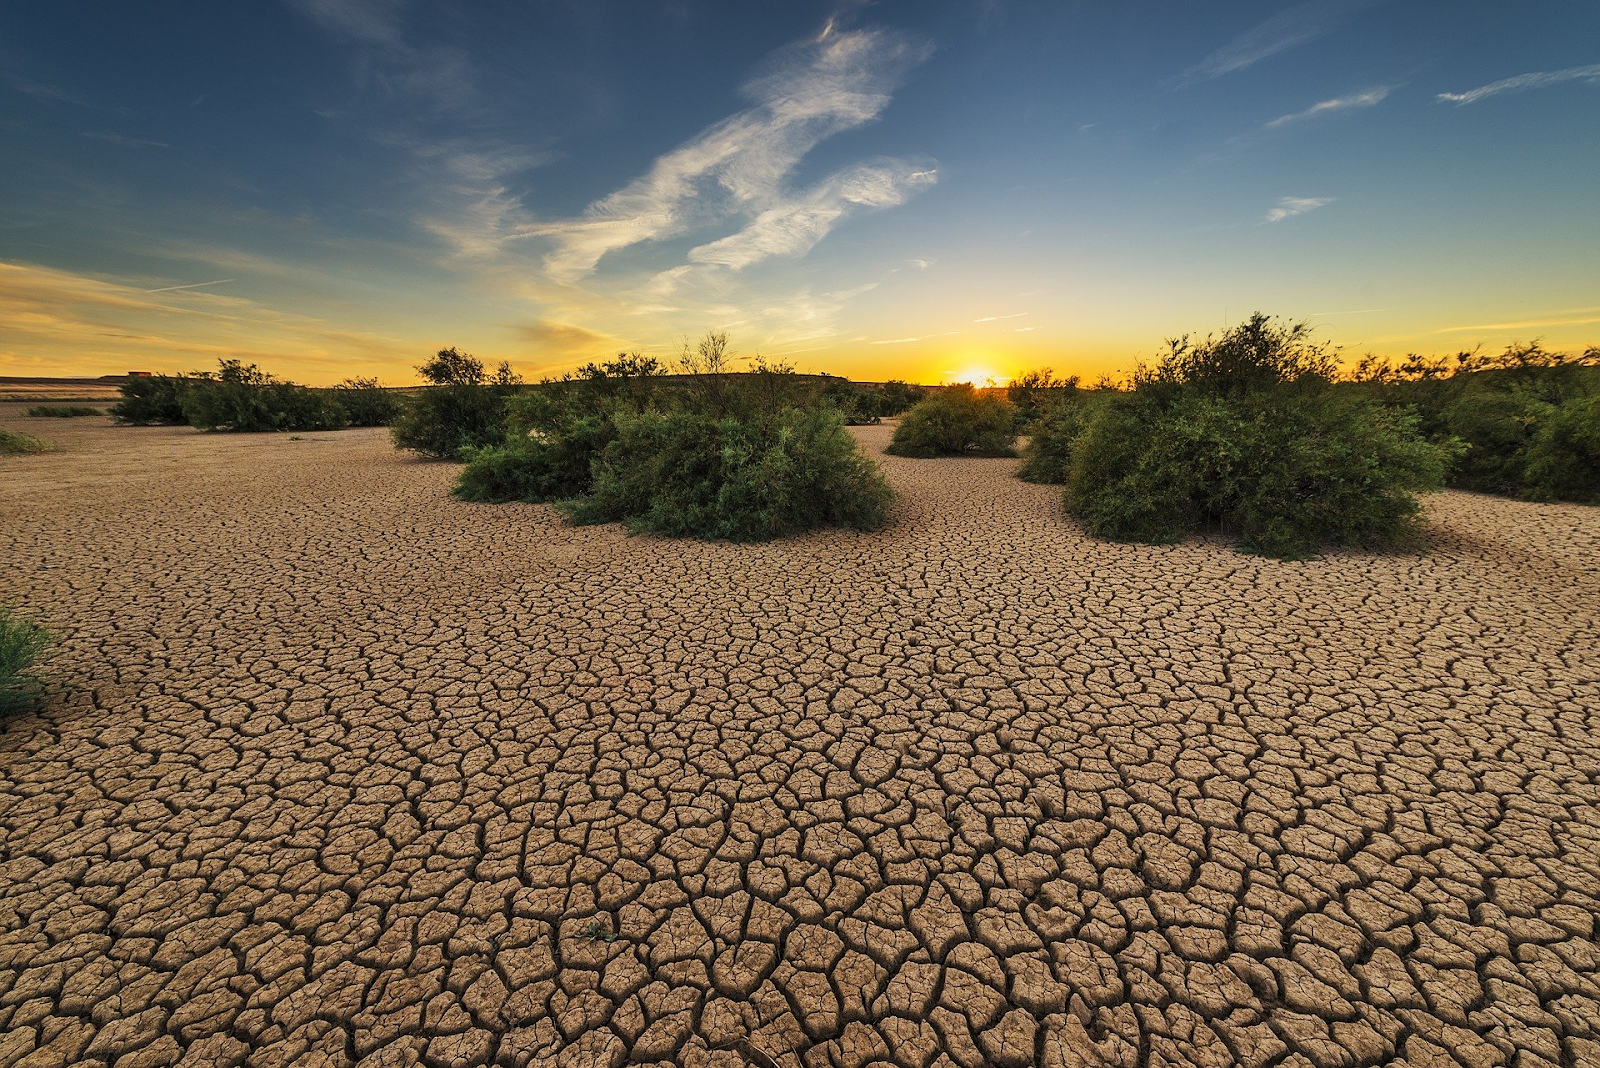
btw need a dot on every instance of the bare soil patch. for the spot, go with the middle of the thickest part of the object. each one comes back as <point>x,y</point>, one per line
<point>343,770</point>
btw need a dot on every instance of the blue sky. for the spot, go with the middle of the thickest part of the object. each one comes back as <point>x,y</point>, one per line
<point>913,189</point>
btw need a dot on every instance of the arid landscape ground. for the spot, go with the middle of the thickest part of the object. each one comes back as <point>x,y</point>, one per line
<point>338,769</point>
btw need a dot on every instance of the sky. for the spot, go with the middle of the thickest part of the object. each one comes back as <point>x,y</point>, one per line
<point>922,189</point>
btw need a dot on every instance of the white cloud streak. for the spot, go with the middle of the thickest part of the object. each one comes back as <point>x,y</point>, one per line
<point>1289,28</point>
<point>795,225</point>
<point>739,167</point>
<point>191,285</point>
<point>1289,207</point>
<point>1370,98</point>
<point>1523,82</point>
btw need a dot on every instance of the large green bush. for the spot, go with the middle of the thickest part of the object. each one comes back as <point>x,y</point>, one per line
<point>1057,422</point>
<point>1245,434</point>
<point>716,455</point>
<point>957,421</point>
<point>1509,412</point>
<point>151,399</point>
<point>22,645</point>
<point>1563,459</point>
<point>1038,393</point>
<point>687,473</point>
<point>463,408</point>
<point>365,403</point>
<point>242,397</point>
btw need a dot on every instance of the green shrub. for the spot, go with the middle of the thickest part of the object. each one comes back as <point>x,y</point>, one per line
<point>62,411</point>
<point>856,405</point>
<point>1286,472</point>
<point>1036,393</point>
<point>13,443</point>
<point>1260,353</point>
<point>22,644</point>
<point>1495,429</point>
<point>1563,459</point>
<point>544,468</point>
<point>464,407</point>
<point>896,397</point>
<point>957,421</point>
<point>1245,434</point>
<point>243,398</point>
<point>688,473</point>
<point>1498,407</point>
<point>156,399</point>
<point>1057,424</point>
<point>365,403</point>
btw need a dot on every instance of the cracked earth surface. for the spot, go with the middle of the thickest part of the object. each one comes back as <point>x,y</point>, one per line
<point>340,770</point>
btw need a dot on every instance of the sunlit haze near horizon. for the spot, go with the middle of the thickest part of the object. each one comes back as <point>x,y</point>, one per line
<point>920,190</point>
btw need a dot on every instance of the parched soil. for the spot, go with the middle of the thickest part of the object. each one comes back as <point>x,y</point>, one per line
<point>338,769</point>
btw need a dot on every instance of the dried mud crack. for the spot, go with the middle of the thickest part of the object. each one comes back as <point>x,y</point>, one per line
<point>339,770</point>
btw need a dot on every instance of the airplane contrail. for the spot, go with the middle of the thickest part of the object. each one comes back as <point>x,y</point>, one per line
<point>194,285</point>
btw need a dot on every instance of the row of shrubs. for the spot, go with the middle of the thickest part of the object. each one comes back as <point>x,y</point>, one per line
<point>242,397</point>
<point>62,411</point>
<point>712,454</point>
<point>1257,433</point>
<point>1526,421</point>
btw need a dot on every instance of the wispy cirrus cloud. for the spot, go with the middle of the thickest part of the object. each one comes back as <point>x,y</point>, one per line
<point>998,318</point>
<point>739,167</point>
<point>1523,82</point>
<point>796,224</point>
<point>191,285</point>
<point>125,141</point>
<point>1289,28</point>
<point>112,324</point>
<point>1367,99</point>
<point>435,74</point>
<point>1289,207</point>
<point>1574,317</point>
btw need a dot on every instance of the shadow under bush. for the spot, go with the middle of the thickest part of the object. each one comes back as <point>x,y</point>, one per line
<point>957,421</point>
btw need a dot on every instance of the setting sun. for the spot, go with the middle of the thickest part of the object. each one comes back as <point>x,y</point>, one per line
<point>977,374</point>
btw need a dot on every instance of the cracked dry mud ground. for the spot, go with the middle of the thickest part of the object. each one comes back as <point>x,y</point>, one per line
<point>340,770</point>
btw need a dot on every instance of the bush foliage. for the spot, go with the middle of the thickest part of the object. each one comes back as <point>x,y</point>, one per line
<point>462,409</point>
<point>242,397</point>
<point>686,473</point>
<point>13,443</point>
<point>1039,392</point>
<point>743,457</point>
<point>1525,419</point>
<point>62,411</point>
<point>957,421</point>
<point>22,645</point>
<point>1057,422</point>
<point>156,399</point>
<point>1287,473</point>
<point>1244,433</point>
